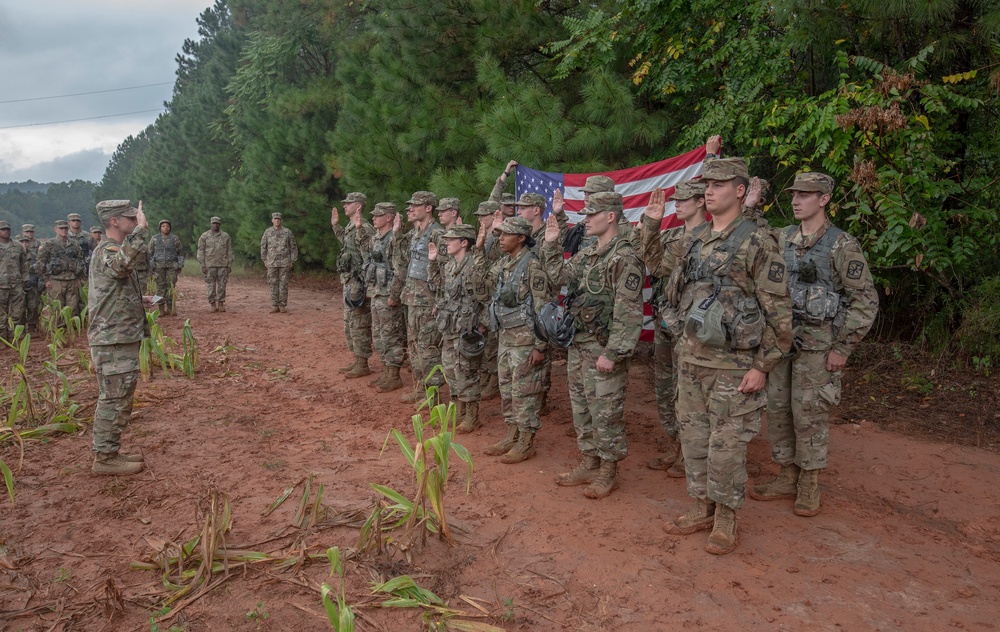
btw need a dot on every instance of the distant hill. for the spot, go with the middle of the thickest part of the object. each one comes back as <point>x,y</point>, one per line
<point>42,204</point>
<point>27,187</point>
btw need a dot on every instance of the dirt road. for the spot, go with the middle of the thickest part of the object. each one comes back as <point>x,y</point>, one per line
<point>909,536</point>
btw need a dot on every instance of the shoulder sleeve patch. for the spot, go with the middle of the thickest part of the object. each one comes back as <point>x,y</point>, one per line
<point>771,278</point>
<point>538,283</point>
<point>776,272</point>
<point>855,269</point>
<point>632,282</point>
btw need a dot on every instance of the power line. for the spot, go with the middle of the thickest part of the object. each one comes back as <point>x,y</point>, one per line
<point>80,94</point>
<point>89,118</point>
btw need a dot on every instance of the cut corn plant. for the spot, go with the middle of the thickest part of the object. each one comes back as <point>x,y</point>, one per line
<point>405,593</point>
<point>340,615</point>
<point>158,349</point>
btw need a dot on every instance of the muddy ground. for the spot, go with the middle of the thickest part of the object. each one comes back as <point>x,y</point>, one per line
<point>909,536</point>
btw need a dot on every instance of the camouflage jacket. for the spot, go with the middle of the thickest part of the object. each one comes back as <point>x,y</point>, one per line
<point>215,250</point>
<point>852,280</point>
<point>386,268</point>
<point>355,243</point>
<point>59,259</point>
<point>165,252</point>
<point>278,248</point>
<point>457,307</point>
<point>756,276</point>
<point>115,299</point>
<point>13,265</point>
<point>625,230</point>
<point>605,293</point>
<point>487,277</point>
<point>418,292</point>
<point>660,252</point>
<point>86,242</point>
<point>34,279</point>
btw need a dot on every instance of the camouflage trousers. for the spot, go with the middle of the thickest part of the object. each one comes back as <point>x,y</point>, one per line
<point>358,329</point>
<point>66,291</point>
<point>166,279</point>
<point>715,422</point>
<point>11,310</point>
<point>216,280</point>
<point>277,280</point>
<point>665,375</point>
<point>520,386</point>
<point>32,305</point>
<point>117,368</point>
<point>598,401</point>
<point>143,277</point>
<point>424,340</point>
<point>489,358</point>
<point>388,331</point>
<point>461,372</point>
<point>800,393</point>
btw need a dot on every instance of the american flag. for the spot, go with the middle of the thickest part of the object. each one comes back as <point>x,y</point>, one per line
<point>635,185</point>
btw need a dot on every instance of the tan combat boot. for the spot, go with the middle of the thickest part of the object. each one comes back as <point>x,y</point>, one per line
<point>667,459</point>
<point>606,481</point>
<point>723,537</point>
<point>348,367</point>
<point>392,381</point>
<point>282,309</point>
<point>132,458</point>
<point>700,518</point>
<point>471,420</point>
<point>523,450</point>
<point>677,469</point>
<point>375,381</point>
<point>414,396</point>
<point>222,307</point>
<point>782,486</point>
<point>274,309</point>
<point>582,474</point>
<point>360,368</point>
<point>115,464</point>
<point>492,388</point>
<point>503,445</point>
<point>215,307</point>
<point>807,498</point>
<point>459,412</point>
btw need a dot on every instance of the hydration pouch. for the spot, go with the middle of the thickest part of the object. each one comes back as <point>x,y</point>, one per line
<point>705,322</point>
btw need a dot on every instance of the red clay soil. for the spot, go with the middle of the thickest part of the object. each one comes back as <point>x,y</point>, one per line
<point>908,539</point>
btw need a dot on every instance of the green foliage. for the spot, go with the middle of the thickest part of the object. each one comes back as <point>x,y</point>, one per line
<point>338,613</point>
<point>977,335</point>
<point>404,592</point>
<point>160,350</point>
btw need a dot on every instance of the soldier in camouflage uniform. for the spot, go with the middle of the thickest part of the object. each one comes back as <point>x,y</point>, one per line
<point>518,288</point>
<point>167,261</point>
<point>597,184</point>
<point>385,274</point>
<point>354,241</point>
<point>33,291</point>
<point>13,279</point>
<point>604,297</point>
<point>87,244</point>
<point>117,328</point>
<point>506,206</point>
<point>734,320</point>
<point>97,233</point>
<point>278,251</point>
<point>215,254</point>
<point>488,367</point>
<point>417,294</point>
<point>460,317</point>
<point>449,215</point>
<point>60,262</point>
<point>659,253</point>
<point>834,304</point>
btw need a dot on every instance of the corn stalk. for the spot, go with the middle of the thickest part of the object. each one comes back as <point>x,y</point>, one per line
<point>340,615</point>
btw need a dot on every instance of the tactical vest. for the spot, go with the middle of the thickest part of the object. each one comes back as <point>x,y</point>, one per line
<point>418,255</point>
<point>591,301</point>
<point>379,270</point>
<point>506,310</point>
<point>349,259</point>
<point>82,241</point>
<point>456,312</point>
<point>64,260</point>
<point>166,249</point>
<point>741,322</point>
<point>814,295</point>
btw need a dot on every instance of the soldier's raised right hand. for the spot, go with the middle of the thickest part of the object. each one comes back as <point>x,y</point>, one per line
<point>432,251</point>
<point>657,202</point>
<point>140,217</point>
<point>334,216</point>
<point>397,223</point>
<point>481,237</point>
<point>551,229</point>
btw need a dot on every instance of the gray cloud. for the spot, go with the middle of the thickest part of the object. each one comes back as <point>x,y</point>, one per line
<point>88,164</point>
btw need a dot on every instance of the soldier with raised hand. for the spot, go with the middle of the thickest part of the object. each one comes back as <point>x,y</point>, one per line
<point>383,272</point>
<point>730,292</point>
<point>659,253</point>
<point>13,279</point>
<point>33,290</point>
<point>354,240</point>
<point>278,252</point>
<point>215,254</point>
<point>604,297</point>
<point>167,261</point>
<point>488,367</point>
<point>834,304</point>
<point>60,263</point>
<point>117,327</point>
<point>518,289</point>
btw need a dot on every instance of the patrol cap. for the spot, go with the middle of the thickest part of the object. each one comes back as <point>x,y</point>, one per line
<point>461,231</point>
<point>4,225</point>
<point>602,201</point>
<point>115,208</point>
<point>725,169</point>
<point>23,237</point>
<point>61,223</point>
<point>597,184</point>
<point>516,226</point>
<point>488,207</point>
<point>688,189</point>
<point>507,199</point>
<point>449,204</point>
<point>165,221</point>
<point>215,220</point>
<point>74,217</point>
<point>25,228</point>
<point>350,198</point>
<point>275,215</point>
<point>812,181</point>
<point>96,229</point>
<point>531,199</point>
<point>384,208</point>
<point>423,197</point>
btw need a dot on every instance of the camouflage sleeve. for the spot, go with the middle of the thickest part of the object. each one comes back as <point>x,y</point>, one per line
<point>25,269</point>
<point>263,249</point>
<point>851,268</point>
<point>119,261</point>
<point>563,220</point>
<point>200,255</point>
<point>626,321</point>
<point>538,284</point>
<point>767,268</point>
<point>498,188</point>
<point>230,257</point>
<point>293,248</point>
<point>400,261</point>
<point>366,238</point>
<point>177,249</point>
<point>340,233</point>
<point>41,260</point>
<point>152,254</point>
<point>559,271</point>
<point>435,278</point>
<point>651,247</point>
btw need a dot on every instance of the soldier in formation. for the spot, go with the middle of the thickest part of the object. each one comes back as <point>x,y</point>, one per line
<point>354,241</point>
<point>60,264</point>
<point>278,251</point>
<point>166,261</point>
<point>36,286</point>
<point>384,279</point>
<point>97,233</point>
<point>13,279</point>
<point>488,367</point>
<point>215,254</point>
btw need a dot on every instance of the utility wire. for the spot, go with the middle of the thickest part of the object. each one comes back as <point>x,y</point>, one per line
<point>89,118</point>
<point>80,94</point>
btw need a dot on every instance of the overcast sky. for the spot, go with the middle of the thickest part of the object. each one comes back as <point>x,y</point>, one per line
<point>60,47</point>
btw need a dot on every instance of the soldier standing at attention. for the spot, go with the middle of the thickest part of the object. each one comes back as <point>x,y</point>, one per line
<point>490,387</point>
<point>60,262</point>
<point>385,282</point>
<point>33,291</point>
<point>449,215</point>
<point>13,279</point>
<point>605,299</point>
<point>117,328</point>
<point>834,304</point>
<point>417,294</point>
<point>731,292</point>
<point>519,289</point>
<point>215,254</point>
<point>87,244</point>
<point>354,242</point>
<point>278,251</point>
<point>165,255</point>
<point>97,233</point>
<point>460,318</point>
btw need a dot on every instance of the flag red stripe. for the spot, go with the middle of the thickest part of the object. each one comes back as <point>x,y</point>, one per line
<point>651,170</point>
